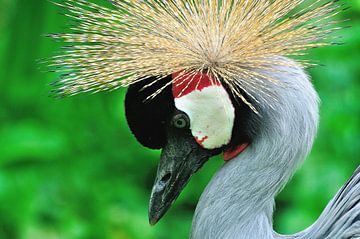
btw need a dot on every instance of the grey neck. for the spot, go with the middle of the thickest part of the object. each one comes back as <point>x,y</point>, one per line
<point>239,200</point>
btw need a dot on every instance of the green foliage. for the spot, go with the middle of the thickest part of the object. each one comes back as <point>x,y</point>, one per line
<point>71,169</point>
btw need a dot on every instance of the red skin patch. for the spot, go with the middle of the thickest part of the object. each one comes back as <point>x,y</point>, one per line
<point>184,83</point>
<point>202,140</point>
<point>229,155</point>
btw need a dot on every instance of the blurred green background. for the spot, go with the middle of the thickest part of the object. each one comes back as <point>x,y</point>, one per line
<point>71,169</point>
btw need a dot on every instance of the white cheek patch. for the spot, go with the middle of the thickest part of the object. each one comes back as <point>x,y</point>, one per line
<point>211,114</point>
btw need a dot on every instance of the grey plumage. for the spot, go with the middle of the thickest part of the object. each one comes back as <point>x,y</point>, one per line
<point>239,200</point>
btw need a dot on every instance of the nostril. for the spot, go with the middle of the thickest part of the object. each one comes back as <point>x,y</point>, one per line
<point>161,185</point>
<point>165,178</point>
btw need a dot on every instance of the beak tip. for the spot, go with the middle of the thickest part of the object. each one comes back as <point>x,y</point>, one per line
<point>153,220</point>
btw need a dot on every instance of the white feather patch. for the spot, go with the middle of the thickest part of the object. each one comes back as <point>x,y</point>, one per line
<point>211,115</point>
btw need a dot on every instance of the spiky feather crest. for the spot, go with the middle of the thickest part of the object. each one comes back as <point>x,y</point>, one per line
<point>230,40</point>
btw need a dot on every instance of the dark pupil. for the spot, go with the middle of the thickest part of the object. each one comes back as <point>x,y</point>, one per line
<point>180,123</point>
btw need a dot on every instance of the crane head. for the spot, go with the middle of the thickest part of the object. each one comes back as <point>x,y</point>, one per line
<point>191,120</point>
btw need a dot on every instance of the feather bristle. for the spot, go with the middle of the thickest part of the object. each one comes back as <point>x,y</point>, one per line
<point>229,39</point>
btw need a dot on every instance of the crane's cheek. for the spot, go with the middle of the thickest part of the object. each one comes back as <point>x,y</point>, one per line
<point>211,115</point>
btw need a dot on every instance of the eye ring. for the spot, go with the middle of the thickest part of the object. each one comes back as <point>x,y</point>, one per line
<point>180,121</point>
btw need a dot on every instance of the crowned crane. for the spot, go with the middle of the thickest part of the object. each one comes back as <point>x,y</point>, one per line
<point>210,77</point>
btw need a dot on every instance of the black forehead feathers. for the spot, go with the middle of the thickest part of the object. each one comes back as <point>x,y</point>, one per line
<point>147,117</point>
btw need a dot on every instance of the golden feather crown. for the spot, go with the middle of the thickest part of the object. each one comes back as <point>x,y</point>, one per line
<point>114,47</point>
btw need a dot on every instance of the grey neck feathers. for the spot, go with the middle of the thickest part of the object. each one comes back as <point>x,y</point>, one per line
<point>239,200</point>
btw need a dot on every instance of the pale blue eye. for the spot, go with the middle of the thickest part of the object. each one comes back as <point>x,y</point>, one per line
<point>180,121</point>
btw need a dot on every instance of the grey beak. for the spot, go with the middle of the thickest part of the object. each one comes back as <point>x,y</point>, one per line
<point>180,159</point>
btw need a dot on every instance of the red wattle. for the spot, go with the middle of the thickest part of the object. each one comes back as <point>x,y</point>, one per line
<point>229,155</point>
<point>185,83</point>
